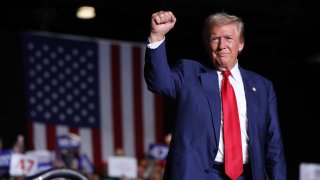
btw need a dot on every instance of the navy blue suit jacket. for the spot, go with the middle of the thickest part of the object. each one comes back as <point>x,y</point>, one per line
<point>195,140</point>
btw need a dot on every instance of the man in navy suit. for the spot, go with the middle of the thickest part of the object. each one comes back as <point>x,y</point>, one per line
<point>197,145</point>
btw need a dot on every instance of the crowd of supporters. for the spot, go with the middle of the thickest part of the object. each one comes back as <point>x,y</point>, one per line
<point>147,168</point>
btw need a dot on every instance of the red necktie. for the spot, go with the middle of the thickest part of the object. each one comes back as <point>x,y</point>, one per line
<point>231,130</point>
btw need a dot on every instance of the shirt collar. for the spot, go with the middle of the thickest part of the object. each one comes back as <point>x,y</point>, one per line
<point>235,73</point>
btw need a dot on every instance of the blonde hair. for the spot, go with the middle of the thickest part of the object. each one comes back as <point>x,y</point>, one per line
<point>218,19</point>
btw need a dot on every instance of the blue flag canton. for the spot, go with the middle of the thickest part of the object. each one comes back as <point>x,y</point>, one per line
<point>61,80</point>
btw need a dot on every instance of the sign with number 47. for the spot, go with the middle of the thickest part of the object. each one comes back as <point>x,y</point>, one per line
<point>22,165</point>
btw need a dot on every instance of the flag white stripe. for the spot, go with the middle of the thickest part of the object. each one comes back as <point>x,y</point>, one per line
<point>61,129</point>
<point>39,137</point>
<point>86,142</point>
<point>148,110</point>
<point>106,129</point>
<point>127,95</point>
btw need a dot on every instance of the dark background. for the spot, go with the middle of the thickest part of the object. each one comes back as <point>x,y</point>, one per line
<point>282,43</point>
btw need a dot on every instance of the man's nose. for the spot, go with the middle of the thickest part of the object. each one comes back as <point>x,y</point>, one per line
<point>222,44</point>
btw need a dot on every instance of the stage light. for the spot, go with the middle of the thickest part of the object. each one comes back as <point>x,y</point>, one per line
<point>86,12</point>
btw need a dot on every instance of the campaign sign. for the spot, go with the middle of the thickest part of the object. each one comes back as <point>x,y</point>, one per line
<point>44,159</point>
<point>309,171</point>
<point>122,167</point>
<point>22,165</point>
<point>68,142</point>
<point>158,151</point>
<point>85,164</point>
<point>43,156</point>
<point>5,156</point>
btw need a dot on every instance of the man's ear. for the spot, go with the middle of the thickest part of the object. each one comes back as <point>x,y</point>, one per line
<point>241,45</point>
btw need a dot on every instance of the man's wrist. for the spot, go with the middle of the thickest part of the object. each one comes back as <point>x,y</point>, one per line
<point>155,37</point>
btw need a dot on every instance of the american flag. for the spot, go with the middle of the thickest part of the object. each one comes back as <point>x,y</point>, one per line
<point>93,87</point>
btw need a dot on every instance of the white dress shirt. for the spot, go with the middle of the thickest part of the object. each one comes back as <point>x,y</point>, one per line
<point>237,84</point>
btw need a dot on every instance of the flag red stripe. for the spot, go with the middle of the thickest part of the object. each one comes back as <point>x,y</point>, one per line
<point>116,96</point>
<point>159,119</point>
<point>97,156</point>
<point>138,117</point>
<point>51,136</point>
<point>74,130</point>
<point>30,135</point>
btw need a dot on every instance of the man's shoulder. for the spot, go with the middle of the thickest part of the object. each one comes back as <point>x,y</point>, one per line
<point>250,74</point>
<point>192,63</point>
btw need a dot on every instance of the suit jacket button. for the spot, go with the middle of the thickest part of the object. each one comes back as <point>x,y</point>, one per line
<point>206,171</point>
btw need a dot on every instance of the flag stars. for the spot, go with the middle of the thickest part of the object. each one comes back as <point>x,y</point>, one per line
<point>61,63</point>
<point>75,78</point>
<point>90,66</point>
<point>75,65</point>
<point>38,54</point>
<point>62,117</point>
<point>47,102</point>
<point>47,115</point>
<point>75,52</point>
<point>62,82</point>
<point>67,57</point>
<point>39,108</point>
<point>45,47</point>
<point>62,103</point>
<point>54,96</point>
<point>60,49</point>
<point>32,100</point>
<point>54,109</point>
<point>54,82</point>
<point>90,53</point>
<point>77,118</point>
<point>31,59</point>
<point>69,111</point>
<point>84,99</point>
<point>53,55</point>
<point>53,68</point>
<point>46,74</point>
<point>61,76</point>
<point>84,112</point>
<point>83,59</point>
<point>92,119</point>
<point>32,86</point>
<point>39,80</point>
<point>39,67</point>
<point>30,46</point>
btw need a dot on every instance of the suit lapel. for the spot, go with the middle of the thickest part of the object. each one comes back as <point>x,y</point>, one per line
<point>210,86</point>
<point>251,92</point>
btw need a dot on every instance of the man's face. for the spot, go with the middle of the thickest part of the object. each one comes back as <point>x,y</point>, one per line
<point>225,44</point>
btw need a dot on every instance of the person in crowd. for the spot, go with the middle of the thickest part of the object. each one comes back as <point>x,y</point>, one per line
<point>227,124</point>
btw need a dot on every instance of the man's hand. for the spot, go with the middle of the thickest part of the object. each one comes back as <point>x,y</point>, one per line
<point>161,23</point>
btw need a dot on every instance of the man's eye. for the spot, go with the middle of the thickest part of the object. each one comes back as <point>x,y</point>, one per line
<point>214,40</point>
<point>229,38</point>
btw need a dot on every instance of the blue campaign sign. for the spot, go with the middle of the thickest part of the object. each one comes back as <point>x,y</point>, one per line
<point>5,156</point>
<point>158,151</point>
<point>68,142</point>
<point>85,164</point>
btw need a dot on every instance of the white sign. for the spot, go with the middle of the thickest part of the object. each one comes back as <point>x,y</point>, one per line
<point>309,171</point>
<point>43,156</point>
<point>22,165</point>
<point>122,166</point>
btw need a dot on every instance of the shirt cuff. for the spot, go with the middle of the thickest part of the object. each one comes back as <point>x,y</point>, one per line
<point>155,44</point>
